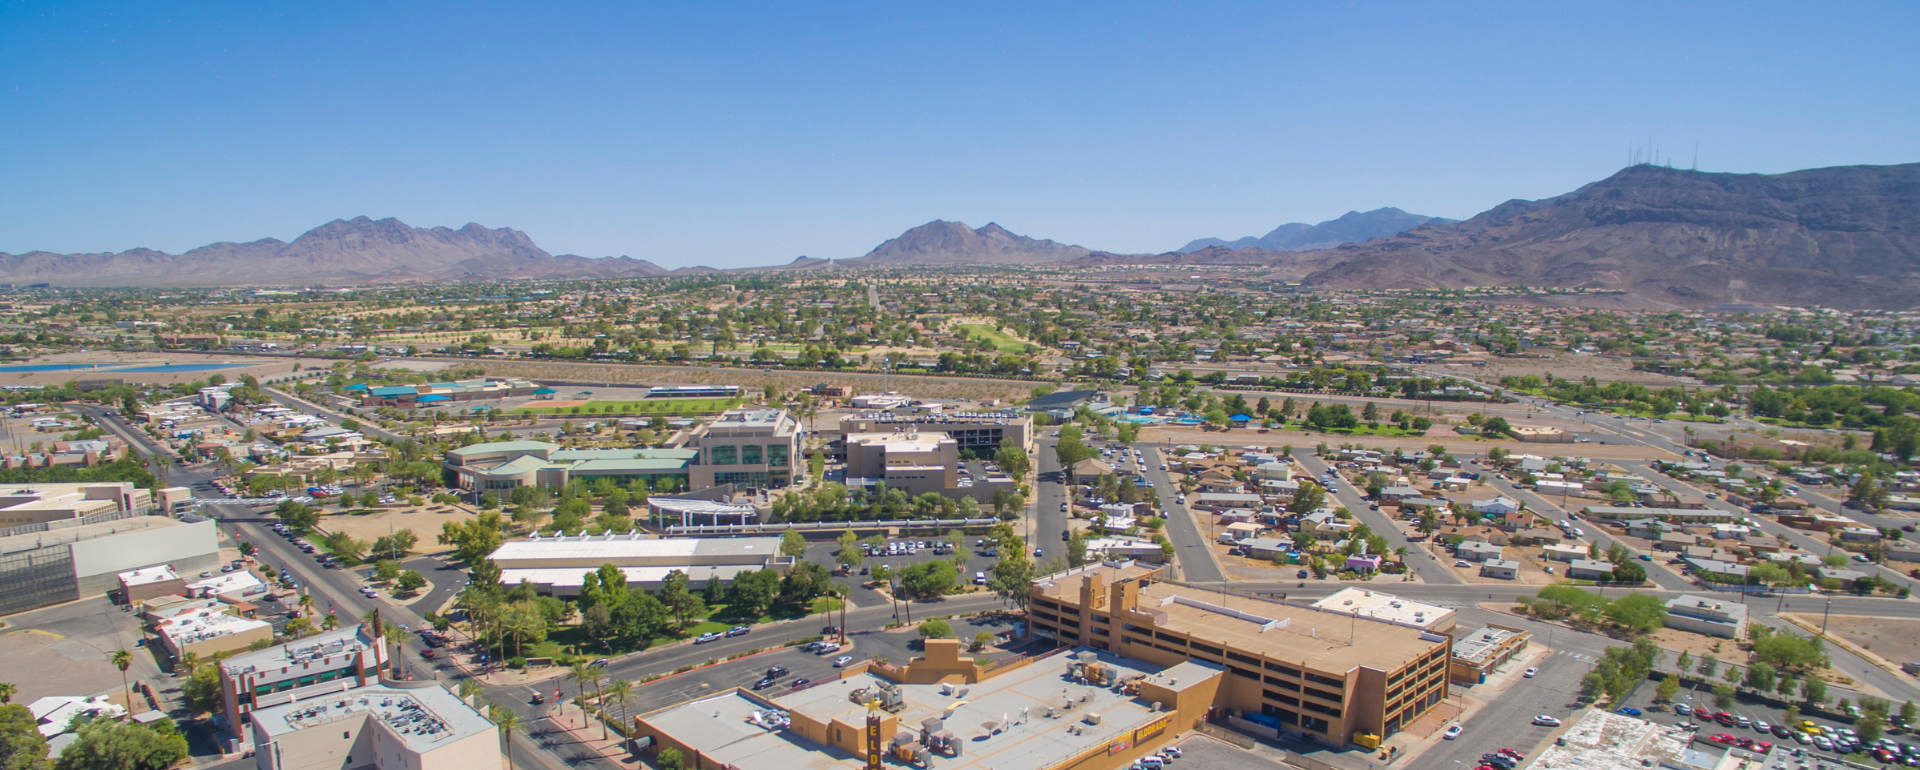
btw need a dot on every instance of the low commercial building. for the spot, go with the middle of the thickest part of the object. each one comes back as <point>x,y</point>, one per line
<point>979,433</point>
<point>1683,515</point>
<point>206,630</point>
<point>391,726</point>
<point>1301,669</point>
<point>444,393</point>
<point>1387,608</point>
<point>1604,740</point>
<point>297,671</point>
<point>142,584</point>
<point>1713,617</point>
<point>1478,654</point>
<point>1476,550</point>
<point>48,565</point>
<point>558,565</point>
<point>22,504</point>
<point>500,466</point>
<point>1590,569</point>
<point>1500,569</point>
<point>1098,711</point>
<point>916,463</point>
<point>750,448</point>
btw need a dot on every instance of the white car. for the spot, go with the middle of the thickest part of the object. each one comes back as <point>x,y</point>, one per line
<point>1452,732</point>
<point>1461,563</point>
<point>1531,672</point>
<point>1546,721</point>
<point>842,661</point>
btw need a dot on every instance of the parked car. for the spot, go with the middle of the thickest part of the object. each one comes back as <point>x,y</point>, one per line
<point>1547,721</point>
<point>710,636</point>
<point>1627,710</point>
<point>737,631</point>
<point>1531,672</point>
<point>842,661</point>
<point>1453,732</point>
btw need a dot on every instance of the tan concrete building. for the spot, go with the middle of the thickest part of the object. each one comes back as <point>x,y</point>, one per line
<point>44,503</point>
<point>1077,709</point>
<point>750,448</point>
<point>297,671</point>
<point>917,463</point>
<point>390,726</point>
<point>978,432</point>
<point>1305,670</point>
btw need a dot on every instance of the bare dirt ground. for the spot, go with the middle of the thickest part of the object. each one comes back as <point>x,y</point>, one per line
<point>1454,443</point>
<point>1697,645</point>
<point>425,522</point>
<point>936,388</point>
<point>262,368</point>
<point>1572,366</point>
<point>1895,639</point>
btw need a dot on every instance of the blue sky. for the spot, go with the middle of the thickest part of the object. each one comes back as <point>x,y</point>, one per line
<point>731,134</point>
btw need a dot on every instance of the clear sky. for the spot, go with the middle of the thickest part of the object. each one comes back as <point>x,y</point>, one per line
<point>731,134</point>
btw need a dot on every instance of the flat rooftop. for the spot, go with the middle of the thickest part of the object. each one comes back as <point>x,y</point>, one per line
<point>319,648</point>
<point>602,548</point>
<point>1368,603</point>
<point>1603,740</point>
<point>425,718</point>
<point>1066,585</point>
<point>901,442</point>
<point>1320,640</point>
<point>1028,739</point>
<point>1476,647</point>
<point>574,577</point>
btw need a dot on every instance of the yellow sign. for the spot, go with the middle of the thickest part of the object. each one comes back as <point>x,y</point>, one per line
<point>1125,742</point>
<point>1151,729</point>
<point>873,741</point>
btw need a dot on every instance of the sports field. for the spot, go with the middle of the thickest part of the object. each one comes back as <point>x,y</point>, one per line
<point>642,406</point>
<point>1002,340</point>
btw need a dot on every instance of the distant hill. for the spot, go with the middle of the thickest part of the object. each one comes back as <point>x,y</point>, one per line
<point>1352,227</point>
<point>953,243</point>
<point>355,251</point>
<point>1846,236</point>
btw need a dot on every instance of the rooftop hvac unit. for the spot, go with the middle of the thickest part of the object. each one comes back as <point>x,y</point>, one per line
<point>1092,718</point>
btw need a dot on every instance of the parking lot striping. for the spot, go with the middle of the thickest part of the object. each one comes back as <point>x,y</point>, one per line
<point>48,634</point>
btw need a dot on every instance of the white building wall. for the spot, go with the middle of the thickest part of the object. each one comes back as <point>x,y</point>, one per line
<point>188,548</point>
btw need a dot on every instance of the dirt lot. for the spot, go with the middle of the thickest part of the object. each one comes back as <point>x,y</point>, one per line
<point>1896,639</point>
<point>262,368</point>
<point>425,522</point>
<point>1697,645</point>
<point>1573,366</point>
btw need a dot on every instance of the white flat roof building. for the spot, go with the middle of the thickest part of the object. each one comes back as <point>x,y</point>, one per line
<point>559,564</point>
<point>1368,603</point>
<point>395,726</point>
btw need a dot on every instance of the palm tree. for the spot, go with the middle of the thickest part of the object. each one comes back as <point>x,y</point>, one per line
<point>506,721</point>
<point>581,673</point>
<point>123,660</point>
<point>306,603</point>
<point>189,661</point>
<point>7,689</point>
<point>331,622</point>
<point>468,688</point>
<point>619,690</point>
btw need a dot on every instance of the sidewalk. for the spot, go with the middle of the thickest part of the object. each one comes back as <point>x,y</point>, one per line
<point>572,740</point>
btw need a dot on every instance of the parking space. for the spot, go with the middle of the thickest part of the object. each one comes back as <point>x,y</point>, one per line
<point>1762,723</point>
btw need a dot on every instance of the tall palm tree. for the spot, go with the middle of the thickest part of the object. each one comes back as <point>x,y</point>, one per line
<point>123,660</point>
<point>619,690</point>
<point>189,661</point>
<point>582,673</point>
<point>506,721</point>
<point>468,688</point>
<point>306,603</point>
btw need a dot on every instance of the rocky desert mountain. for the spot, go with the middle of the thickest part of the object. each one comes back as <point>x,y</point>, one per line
<point>1846,236</point>
<point>1352,227</point>
<point>341,252</point>
<point>953,243</point>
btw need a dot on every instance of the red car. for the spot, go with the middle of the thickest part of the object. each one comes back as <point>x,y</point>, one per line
<point>1511,753</point>
<point>1764,747</point>
<point>1743,742</point>
<point>1722,738</point>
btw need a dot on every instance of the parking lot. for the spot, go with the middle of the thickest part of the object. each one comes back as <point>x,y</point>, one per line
<point>64,650</point>
<point>1755,714</point>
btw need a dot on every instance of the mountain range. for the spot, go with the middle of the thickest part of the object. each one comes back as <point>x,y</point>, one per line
<point>1349,228</point>
<point>1846,236</point>
<point>344,251</point>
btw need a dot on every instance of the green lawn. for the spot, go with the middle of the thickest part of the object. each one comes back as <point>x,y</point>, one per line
<point>1385,429</point>
<point>648,406</point>
<point>1002,340</point>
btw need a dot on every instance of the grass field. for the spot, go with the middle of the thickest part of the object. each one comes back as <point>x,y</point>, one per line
<point>1002,340</point>
<point>641,406</point>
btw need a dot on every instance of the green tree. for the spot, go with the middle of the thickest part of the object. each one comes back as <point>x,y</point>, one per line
<point>105,744</point>
<point>792,543</point>
<point>410,582</point>
<point>1641,613</point>
<point>1667,688</point>
<point>1723,695</point>
<point>1761,678</point>
<point>202,690</point>
<point>1307,499</point>
<point>670,759</point>
<point>506,721</point>
<point>21,745</point>
<point>1813,689</point>
<point>1708,665</point>
<point>935,629</point>
<point>123,660</point>
<point>1870,727</point>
